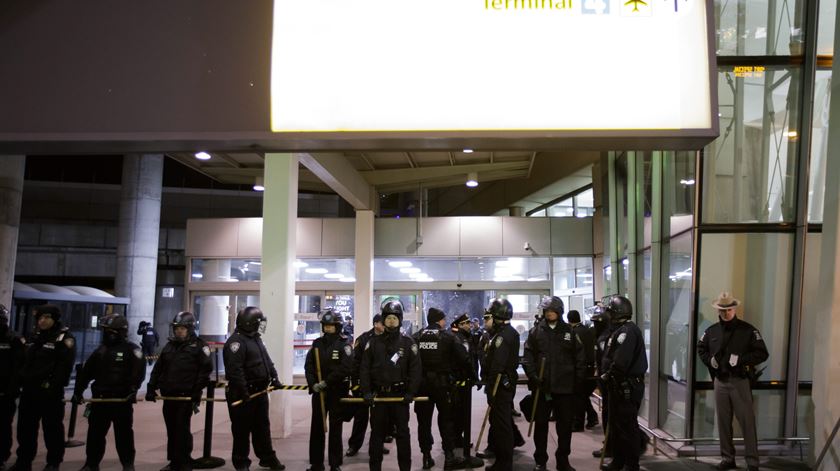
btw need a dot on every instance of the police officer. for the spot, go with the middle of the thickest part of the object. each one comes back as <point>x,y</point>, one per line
<point>117,369</point>
<point>336,362</point>
<point>584,412</point>
<point>553,347</point>
<point>465,377</point>
<point>625,364</point>
<point>362,412</point>
<point>49,354</point>
<point>440,353</point>
<point>249,370</point>
<point>501,359</point>
<point>603,330</point>
<point>390,367</point>
<point>182,370</point>
<point>148,339</point>
<point>731,349</point>
<point>11,360</point>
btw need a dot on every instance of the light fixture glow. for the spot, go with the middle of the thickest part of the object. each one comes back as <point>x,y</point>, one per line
<point>468,151</point>
<point>258,184</point>
<point>299,264</point>
<point>197,276</point>
<point>399,264</point>
<point>202,155</point>
<point>316,271</point>
<point>410,270</point>
<point>690,181</point>
<point>791,134</point>
<point>347,280</point>
<point>472,179</point>
<point>333,276</point>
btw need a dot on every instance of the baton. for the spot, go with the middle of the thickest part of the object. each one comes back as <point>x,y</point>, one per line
<point>536,398</point>
<point>487,412</point>
<point>356,400</point>
<point>321,393</point>
<point>604,449</point>
<point>256,394</point>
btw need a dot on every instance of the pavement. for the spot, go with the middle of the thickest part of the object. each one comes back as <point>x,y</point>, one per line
<point>150,442</point>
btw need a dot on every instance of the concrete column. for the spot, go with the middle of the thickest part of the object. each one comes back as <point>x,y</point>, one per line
<point>138,236</point>
<point>11,191</point>
<point>363,290</point>
<point>826,385</point>
<point>277,287</point>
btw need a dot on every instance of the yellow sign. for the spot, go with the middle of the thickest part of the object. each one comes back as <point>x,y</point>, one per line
<point>748,71</point>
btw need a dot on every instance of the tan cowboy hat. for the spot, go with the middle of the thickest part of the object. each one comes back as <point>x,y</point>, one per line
<point>725,301</point>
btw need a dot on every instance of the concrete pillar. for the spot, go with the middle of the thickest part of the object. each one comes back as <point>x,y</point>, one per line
<point>277,286</point>
<point>138,236</point>
<point>11,191</point>
<point>826,384</point>
<point>363,289</point>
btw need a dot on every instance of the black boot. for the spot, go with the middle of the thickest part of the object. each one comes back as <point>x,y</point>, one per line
<point>428,462</point>
<point>451,462</point>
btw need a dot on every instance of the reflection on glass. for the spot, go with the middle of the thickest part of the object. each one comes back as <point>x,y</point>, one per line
<point>750,170</point>
<point>811,303</point>
<point>743,28</point>
<point>674,335</point>
<point>498,269</point>
<point>756,269</point>
<point>225,270</point>
<point>819,145</point>
<point>679,184</point>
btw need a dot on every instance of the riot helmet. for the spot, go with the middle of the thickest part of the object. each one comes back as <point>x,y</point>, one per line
<point>114,328</point>
<point>184,319</point>
<point>250,320</point>
<point>620,308</point>
<point>500,309</point>
<point>392,308</point>
<point>552,303</point>
<point>329,317</point>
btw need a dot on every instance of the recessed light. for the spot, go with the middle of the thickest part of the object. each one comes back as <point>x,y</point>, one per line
<point>399,264</point>
<point>202,155</point>
<point>317,271</point>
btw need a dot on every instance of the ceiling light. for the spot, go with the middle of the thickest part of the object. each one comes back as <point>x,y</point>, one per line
<point>258,184</point>
<point>348,279</point>
<point>197,276</point>
<point>468,151</point>
<point>333,276</point>
<point>317,271</point>
<point>410,270</point>
<point>202,155</point>
<point>299,264</point>
<point>690,181</point>
<point>472,179</point>
<point>791,134</point>
<point>399,264</point>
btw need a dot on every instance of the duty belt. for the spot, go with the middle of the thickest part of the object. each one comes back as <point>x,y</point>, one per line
<point>395,388</point>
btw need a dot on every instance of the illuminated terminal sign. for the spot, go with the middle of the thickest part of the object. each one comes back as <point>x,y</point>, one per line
<point>519,66</point>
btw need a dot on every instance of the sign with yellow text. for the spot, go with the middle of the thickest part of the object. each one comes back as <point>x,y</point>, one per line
<point>491,65</point>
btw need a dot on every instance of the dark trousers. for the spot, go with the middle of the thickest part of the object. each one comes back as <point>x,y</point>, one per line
<point>102,415</point>
<point>386,416</point>
<point>562,406</point>
<point>179,444</point>
<point>360,424</point>
<point>148,351</point>
<point>7,415</point>
<point>316,431</point>
<point>625,434</point>
<point>501,428</point>
<point>47,410</point>
<point>439,397</point>
<point>605,412</point>
<point>461,417</point>
<point>249,424</point>
<point>584,412</point>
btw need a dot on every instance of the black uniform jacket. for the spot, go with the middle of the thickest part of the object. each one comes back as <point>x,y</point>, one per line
<point>183,368</point>
<point>625,357</point>
<point>116,371</point>
<point>336,358</point>
<point>440,351</point>
<point>48,360</point>
<point>601,347</point>
<point>248,368</point>
<point>467,372</point>
<point>11,361</point>
<point>390,360</point>
<point>586,334</point>
<point>501,356</point>
<point>565,361</point>
<point>734,337</point>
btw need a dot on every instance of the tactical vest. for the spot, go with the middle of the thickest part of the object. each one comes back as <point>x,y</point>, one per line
<point>432,356</point>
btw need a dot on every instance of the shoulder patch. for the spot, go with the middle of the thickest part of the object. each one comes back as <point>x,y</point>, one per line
<point>356,344</point>
<point>414,348</point>
<point>206,350</point>
<point>348,350</point>
<point>234,347</point>
<point>69,342</point>
<point>498,342</point>
<point>138,353</point>
<point>367,345</point>
<point>621,337</point>
<point>22,340</point>
<point>466,345</point>
<point>757,335</point>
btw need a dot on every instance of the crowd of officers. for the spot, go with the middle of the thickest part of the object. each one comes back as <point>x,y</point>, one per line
<point>384,369</point>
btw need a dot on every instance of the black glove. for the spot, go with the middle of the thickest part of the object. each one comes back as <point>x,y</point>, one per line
<point>408,398</point>
<point>77,399</point>
<point>275,383</point>
<point>197,396</point>
<point>534,384</point>
<point>132,398</point>
<point>151,396</point>
<point>368,399</point>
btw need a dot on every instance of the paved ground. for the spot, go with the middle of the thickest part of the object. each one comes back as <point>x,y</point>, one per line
<point>150,438</point>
